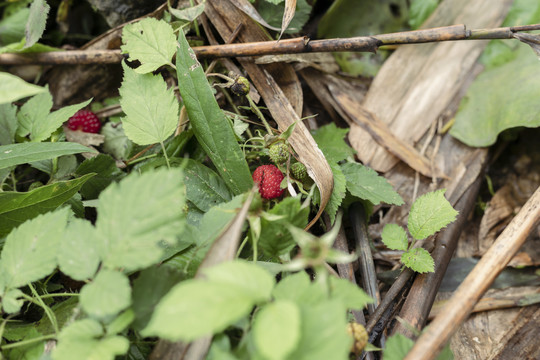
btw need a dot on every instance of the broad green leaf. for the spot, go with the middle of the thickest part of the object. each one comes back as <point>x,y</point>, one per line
<point>430,213</point>
<point>150,41</point>
<point>331,141</point>
<point>12,26</point>
<point>106,172</point>
<point>117,144</point>
<point>275,239</point>
<point>121,322</point>
<point>56,119</point>
<point>78,255</point>
<point>63,311</point>
<point>148,289</point>
<point>83,337</point>
<point>33,349</point>
<point>29,253</point>
<point>188,14</point>
<point>211,127</point>
<point>420,11</point>
<point>338,192</point>
<point>13,88</point>
<point>397,347</point>
<point>35,26</point>
<point>204,188</point>
<point>366,184</point>
<point>32,115</point>
<point>17,154</point>
<point>419,260</point>
<point>199,307</point>
<point>8,123</point>
<point>298,288</point>
<point>17,207</point>
<point>151,108</point>
<point>107,295</point>
<point>352,296</point>
<point>276,329</point>
<point>244,276</point>
<point>323,332</point>
<point>394,237</point>
<point>136,215</point>
<point>12,301</point>
<point>500,98</point>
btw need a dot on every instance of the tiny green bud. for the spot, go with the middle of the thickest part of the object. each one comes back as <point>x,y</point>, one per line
<point>240,86</point>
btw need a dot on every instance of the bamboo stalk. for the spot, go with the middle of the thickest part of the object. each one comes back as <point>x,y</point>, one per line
<point>477,282</point>
<point>288,46</point>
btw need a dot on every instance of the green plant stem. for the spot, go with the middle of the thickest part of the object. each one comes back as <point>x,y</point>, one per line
<point>46,308</point>
<point>165,155</point>
<point>29,341</point>
<point>259,114</point>
<point>241,247</point>
<point>58,295</point>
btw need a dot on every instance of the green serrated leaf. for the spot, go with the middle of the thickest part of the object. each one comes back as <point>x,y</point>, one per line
<point>12,301</point>
<point>366,184</point>
<point>78,255</point>
<point>82,337</point>
<point>419,260</point>
<point>17,154</point>
<point>338,192</point>
<point>8,123</point>
<point>395,237</point>
<point>116,143</point>
<point>331,141</point>
<point>323,332</point>
<point>106,172</point>
<point>107,295</point>
<point>188,14</point>
<point>12,27</point>
<point>148,289</point>
<point>204,188</point>
<point>29,252</point>
<point>276,329</point>
<point>136,215</point>
<point>35,26</point>
<point>150,41</point>
<point>13,88</point>
<point>298,288</point>
<point>275,239</point>
<point>430,213</point>
<point>35,120</point>
<point>17,207</point>
<point>212,129</point>
<point>352,296</point>
<point>151,108</point>
<point>196,308</point>
<point>397,347</point>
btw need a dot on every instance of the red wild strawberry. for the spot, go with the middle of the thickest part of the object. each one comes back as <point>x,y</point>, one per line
<point>84,120</point>
<point>269,178</point>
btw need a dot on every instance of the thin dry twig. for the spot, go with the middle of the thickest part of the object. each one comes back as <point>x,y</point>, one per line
<point>288,46</point>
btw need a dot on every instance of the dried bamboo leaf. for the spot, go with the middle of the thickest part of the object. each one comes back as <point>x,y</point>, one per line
<point>288,15</point>
<point>249,10</point>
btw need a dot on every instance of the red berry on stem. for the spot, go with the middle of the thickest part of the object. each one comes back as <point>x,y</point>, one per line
<point>269,178</point>
<point>84,120</point>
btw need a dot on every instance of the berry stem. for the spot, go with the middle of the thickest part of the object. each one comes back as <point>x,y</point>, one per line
<point>165,155</point>
<point>259,114</point>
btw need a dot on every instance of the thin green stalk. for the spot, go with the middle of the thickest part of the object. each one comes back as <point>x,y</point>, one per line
<point>259,114</point>
<point>165,154</point>
<point>59,295</point>
<point>46,308</point>
<point>29,341</point>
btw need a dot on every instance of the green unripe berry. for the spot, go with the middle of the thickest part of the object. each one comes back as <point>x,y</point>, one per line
<point>279,153</point>
<point>299,171</point>
<point>240,86</point>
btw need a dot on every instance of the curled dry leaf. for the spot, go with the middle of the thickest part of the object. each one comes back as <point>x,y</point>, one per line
<point>288,15</point>
<point>250,11</point>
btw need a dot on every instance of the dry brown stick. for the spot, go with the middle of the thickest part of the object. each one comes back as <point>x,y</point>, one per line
<point>477,282</point>
<point>288,46</point>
